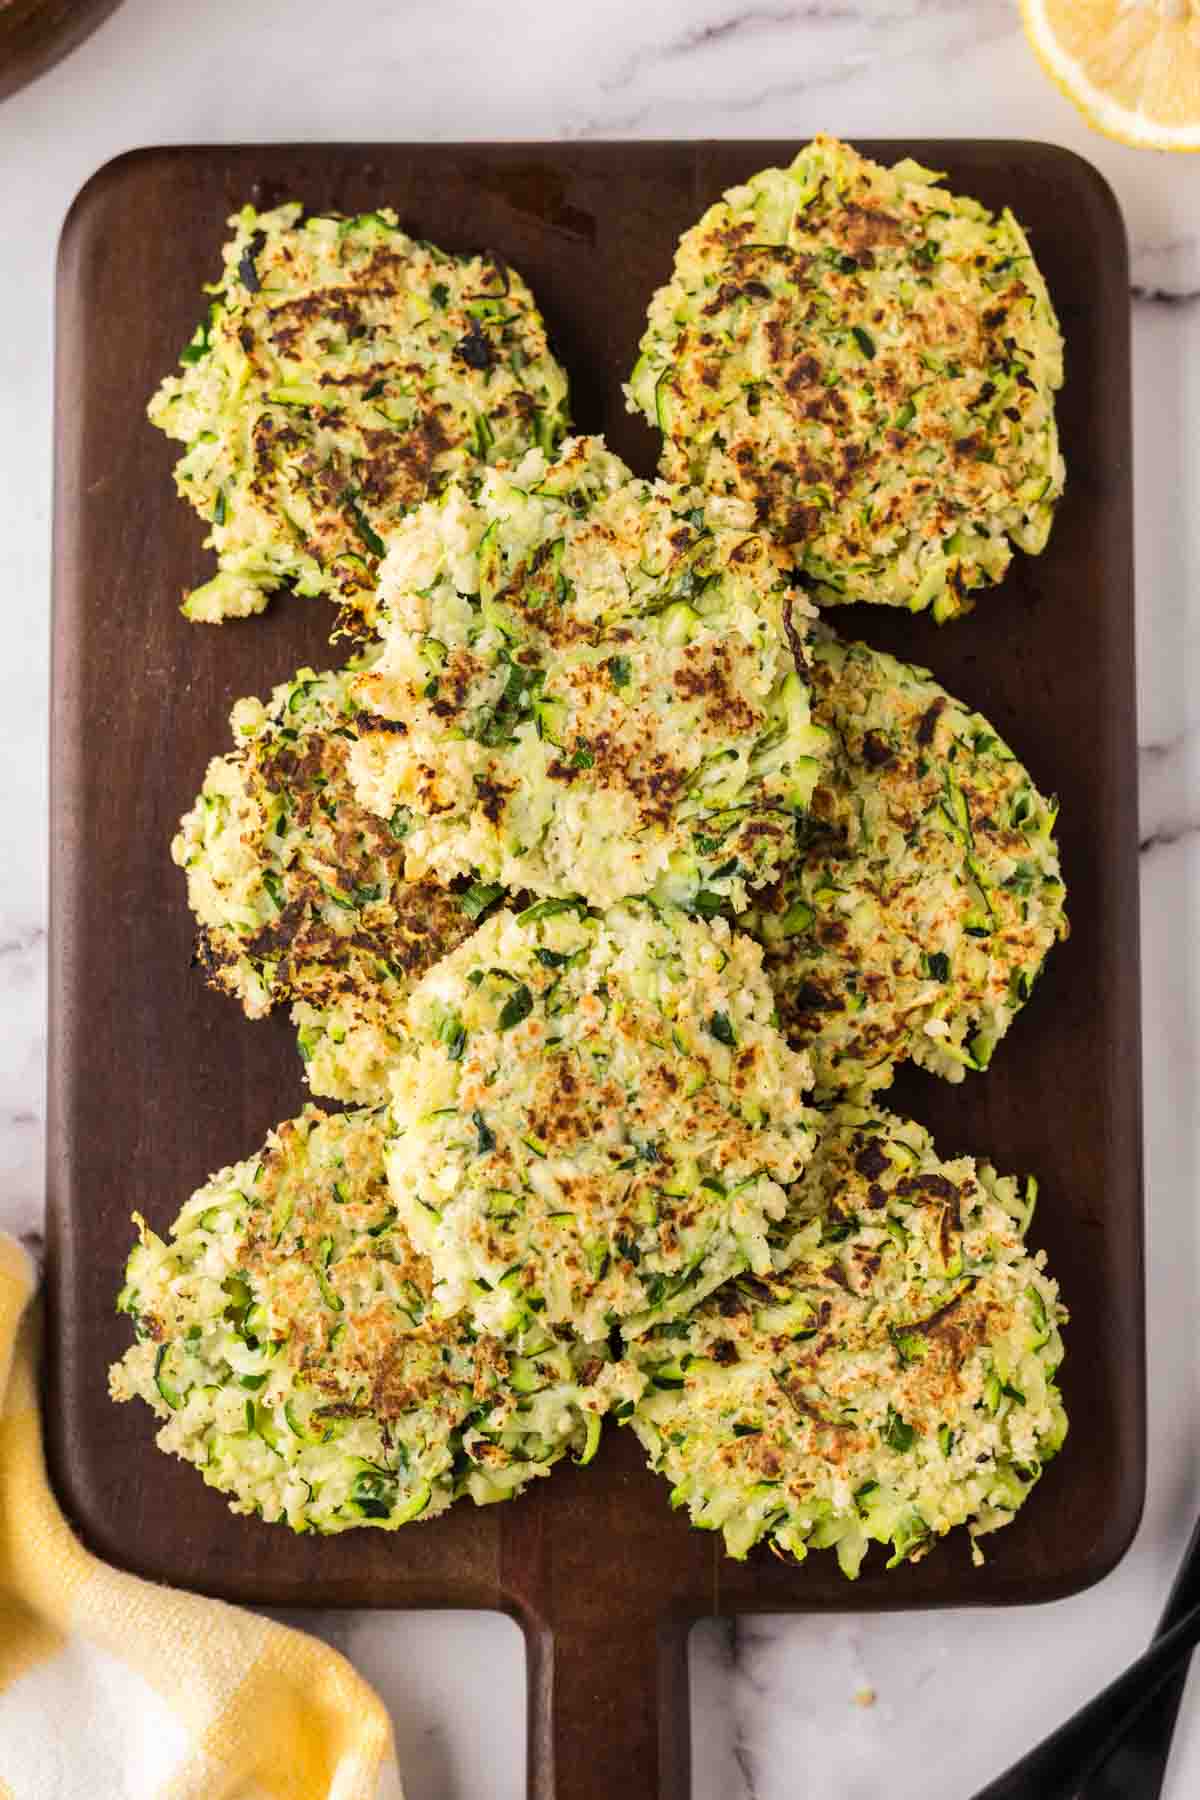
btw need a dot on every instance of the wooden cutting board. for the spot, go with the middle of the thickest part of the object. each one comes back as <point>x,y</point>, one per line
<point>155,1081</point>
<point>35,34</point>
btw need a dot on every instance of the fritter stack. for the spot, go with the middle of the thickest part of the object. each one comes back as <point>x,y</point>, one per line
<point>607,885</point>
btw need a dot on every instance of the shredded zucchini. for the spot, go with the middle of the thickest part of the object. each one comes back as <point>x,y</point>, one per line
<point>289,1337</point>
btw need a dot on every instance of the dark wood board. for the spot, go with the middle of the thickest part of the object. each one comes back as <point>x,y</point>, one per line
<point>155,1081</point>
<point>35,34</point>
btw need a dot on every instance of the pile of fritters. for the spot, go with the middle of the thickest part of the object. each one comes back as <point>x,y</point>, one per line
<point>607,885</point>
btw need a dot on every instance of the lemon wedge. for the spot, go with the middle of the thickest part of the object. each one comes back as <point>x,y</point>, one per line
<point>1132,67</point>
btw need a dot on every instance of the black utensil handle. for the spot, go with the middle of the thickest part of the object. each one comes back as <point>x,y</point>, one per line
<point>1138,1763</point>
<point>1055,1768</point>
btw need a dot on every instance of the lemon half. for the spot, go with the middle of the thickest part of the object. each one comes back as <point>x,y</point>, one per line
<point>1132,67</point>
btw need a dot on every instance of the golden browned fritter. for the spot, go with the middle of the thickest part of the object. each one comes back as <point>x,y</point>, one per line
<point>894,1379</point>
<point>871,362</point>
<point>597,1119</point>
<point>301,893</point>
<point>289,1338</point>
<point>587,686</point>
<point>926,893</point>
<point>343,374</point>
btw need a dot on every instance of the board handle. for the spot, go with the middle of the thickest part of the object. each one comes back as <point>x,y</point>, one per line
<point>608,1712</point>
<point>606,1582</point>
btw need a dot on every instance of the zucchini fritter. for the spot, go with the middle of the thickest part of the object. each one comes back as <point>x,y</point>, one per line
<point>343,374</point>
<point>872,362</point>
<point>301,894</point>
<point>588,686</point>
<point>894,1380</point>
<point>927,894</point>
<point>288,1337</point>
<point>597,1119</point>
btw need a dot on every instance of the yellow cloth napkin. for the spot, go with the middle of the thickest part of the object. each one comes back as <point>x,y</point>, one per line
<point>114,1689</point>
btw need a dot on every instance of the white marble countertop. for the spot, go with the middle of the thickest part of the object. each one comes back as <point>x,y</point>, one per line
<point>958,1694</point>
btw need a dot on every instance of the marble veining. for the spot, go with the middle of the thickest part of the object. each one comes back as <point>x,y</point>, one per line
<point>778,1703</point>
<point>1169,791</point>
<point>1171,297</point>
<point>848,41</point>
